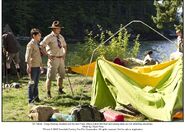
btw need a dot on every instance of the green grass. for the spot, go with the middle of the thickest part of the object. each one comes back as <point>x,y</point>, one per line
<point>15,101</point>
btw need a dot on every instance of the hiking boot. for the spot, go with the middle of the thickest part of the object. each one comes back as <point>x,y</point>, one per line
<point>37,100</point>
<point>49,94</point>
<point>60,91</point>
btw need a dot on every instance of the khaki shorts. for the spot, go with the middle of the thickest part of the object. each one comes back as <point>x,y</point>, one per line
<point>56,67</point>
<point>12,57</point>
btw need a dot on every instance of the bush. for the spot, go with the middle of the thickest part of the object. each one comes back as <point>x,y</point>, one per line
<point>118,46</point>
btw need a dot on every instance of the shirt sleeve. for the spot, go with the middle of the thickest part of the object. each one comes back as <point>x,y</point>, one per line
<point>44,42</point>
<point>41,65</point>
<point>29,51</point>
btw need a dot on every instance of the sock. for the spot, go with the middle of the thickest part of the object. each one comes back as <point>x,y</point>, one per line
<point>18,70</point>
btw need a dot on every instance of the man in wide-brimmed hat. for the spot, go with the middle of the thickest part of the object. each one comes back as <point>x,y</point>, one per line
<point>56,49</point>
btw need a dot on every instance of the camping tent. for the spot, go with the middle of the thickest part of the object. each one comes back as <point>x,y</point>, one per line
<point>88,69</point>
<point>155,91</point>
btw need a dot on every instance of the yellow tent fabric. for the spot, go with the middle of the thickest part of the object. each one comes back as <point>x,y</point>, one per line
<point>83,69</point>
<point>145,75</point>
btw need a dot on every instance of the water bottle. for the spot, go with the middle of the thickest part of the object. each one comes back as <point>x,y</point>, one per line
<point>69,117</point>
<point>57,117</point>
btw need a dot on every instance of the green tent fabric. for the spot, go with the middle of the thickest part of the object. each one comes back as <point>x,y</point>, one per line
<point>111,86</point>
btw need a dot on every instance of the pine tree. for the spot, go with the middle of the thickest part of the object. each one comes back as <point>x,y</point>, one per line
<point>167,13</point>
<point>23,16</point>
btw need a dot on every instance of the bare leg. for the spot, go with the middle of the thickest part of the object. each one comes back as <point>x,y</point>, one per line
<point>18,70</point>
<point>7,72</point>
<point>59,84</point>
<point>48,87</point>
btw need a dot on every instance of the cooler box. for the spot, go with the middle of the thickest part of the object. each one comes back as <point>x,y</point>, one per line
<point>111,115</point>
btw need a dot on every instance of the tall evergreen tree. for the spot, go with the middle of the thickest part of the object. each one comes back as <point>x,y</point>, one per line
<point>167,13</point>
<point>75,16</point>
<point>23,13</point>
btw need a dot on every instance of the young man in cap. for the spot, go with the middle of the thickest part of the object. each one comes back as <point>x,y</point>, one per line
<point>56,49</point>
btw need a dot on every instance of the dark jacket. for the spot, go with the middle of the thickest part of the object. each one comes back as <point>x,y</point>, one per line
<point>10,43</point>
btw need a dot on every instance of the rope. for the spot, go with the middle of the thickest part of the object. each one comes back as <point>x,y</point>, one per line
<point>133,21</point>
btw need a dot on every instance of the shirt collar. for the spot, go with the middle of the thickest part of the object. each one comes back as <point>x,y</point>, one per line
<point>35,42</point>
<point>54,34</point>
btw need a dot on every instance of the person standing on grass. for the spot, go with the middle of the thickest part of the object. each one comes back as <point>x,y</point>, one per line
<point>34,65</point>
<point>55,46</point>
<point>11,51</point>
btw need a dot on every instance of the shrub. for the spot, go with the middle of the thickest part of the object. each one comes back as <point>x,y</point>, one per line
<point>118,46</point>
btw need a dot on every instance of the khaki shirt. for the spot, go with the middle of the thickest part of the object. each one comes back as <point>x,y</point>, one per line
<point>51,45</point>
<point>33,56</point>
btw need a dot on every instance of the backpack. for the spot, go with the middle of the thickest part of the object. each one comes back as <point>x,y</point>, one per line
<point>42,113</point>
<point>86,113</point>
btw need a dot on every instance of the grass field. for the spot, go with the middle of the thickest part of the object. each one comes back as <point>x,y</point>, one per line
<point>15,101</point>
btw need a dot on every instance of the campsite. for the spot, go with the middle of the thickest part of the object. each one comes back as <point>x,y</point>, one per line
<point>15,107</point>
<point>126,71</point>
